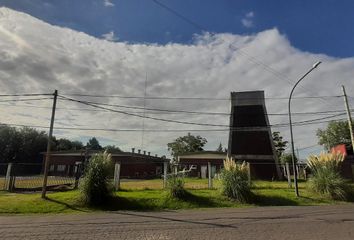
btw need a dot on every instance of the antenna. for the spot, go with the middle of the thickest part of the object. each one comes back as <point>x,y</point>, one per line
<point>144,113</point>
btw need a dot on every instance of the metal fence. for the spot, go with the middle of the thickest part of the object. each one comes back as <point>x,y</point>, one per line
<point>3,167</point>
<point>29,177</point>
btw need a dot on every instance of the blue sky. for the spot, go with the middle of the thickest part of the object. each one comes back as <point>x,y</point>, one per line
<point>315,26</point>
<point>196,65</point>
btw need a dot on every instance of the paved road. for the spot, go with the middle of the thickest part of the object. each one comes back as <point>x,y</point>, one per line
<point>326,222</point>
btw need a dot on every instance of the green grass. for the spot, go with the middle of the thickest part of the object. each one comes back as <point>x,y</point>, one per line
<point>266,194</point>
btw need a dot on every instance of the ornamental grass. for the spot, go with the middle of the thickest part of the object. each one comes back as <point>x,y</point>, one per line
<point>326,178</point>
<point>235,184</point>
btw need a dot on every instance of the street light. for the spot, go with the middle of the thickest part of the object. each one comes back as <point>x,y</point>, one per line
<point>291,127</point>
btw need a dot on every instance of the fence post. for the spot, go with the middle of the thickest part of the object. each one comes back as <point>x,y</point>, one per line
<point>117,176</point>
<point>164,174</point>
<point>78,168</point>
<point>249,172</point>
<point>288,174</point>
<point>210,181</point>
<point>305,174</point>
<point>8,178</point>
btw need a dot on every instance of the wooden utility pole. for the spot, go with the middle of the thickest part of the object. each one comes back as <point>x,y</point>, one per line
<point>349,116</point>
<point>49,144</point>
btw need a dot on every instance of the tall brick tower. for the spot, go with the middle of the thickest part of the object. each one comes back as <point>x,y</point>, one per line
<point>250,137</point>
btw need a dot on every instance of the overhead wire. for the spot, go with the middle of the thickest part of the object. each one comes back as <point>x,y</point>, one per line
<point>258,62</point>
<point>26,94</point>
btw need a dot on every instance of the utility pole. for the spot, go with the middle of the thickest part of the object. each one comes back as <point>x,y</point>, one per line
<point>349,116</point>
<point>49,145</point>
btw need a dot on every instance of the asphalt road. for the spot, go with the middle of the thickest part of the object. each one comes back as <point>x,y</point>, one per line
<point>286,223</point>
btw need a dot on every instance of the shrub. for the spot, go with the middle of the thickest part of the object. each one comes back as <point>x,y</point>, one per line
<point>287,158</point>
<point>175,186</point>
<point>326,178</point>
<point>95,186</point>
<point>234,178</point>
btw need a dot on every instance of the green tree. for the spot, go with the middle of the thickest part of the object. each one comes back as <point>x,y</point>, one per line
<point>21,145</point>
<point>112,149</point>
<point>186,144</point>
<point>279,144</point>
<point>10,140</point>
<point>65,144</point>
<point>336,132</point>
<point>93,144</point>
<point>77,145</point>
<point>287,158</point>
<point>33,142</point>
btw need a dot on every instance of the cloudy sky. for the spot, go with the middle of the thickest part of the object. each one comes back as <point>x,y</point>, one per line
<point>177,49</point>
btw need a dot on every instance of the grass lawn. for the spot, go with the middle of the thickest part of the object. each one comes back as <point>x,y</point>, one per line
<point>148,195</point>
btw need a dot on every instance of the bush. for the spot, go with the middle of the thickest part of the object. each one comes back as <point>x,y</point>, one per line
<point>175,186</point>
<point>234,178</point>
<point>95,186</point>
<point>287,158</point>
<point>326,178</point>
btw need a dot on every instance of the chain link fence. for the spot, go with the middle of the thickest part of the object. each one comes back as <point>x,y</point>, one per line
<point>29,177</point>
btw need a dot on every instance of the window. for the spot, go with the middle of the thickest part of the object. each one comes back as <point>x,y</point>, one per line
<point>61,168</point>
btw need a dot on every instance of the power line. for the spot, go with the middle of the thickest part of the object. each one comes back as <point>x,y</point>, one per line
<point>172,111</point>
<point>190,98</point>
<point>176,121</point>
<point>141,116</point>
<point>24,100</point>
<point>196,25</point>
<point>26,95</point>
<point>308,147</point>
<point>148,130</point>
<point>266,67</point>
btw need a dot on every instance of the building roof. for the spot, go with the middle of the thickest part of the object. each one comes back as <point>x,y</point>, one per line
<point>204,155</point>
<point>82,153</point>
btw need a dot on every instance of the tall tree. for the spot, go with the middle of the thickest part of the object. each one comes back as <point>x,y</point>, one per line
<point>21,145</point>
<point>336,132</point>
<point>112,149</point>
<point>77,145</point>
<point>287,158</point>
<point>93,144</point>
<point>186,144</point>
<point>65,144</point>
<point>279,144</point>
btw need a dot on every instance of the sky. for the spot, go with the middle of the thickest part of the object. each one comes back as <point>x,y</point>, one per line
<point>316,26</point>
<point>194,48</point>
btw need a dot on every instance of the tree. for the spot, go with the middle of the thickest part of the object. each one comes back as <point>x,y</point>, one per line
<point>33,142</point>
<point>186,144</point>
<point>21,145</point>
<point>10,140</point>
<point>337,132</point>
<point>220,148</point>
<point>112,149</point>
<point>279,144</point>
<point>93,144</point>
<point>64,144</point>
<point>77,145</point>
<point>287,158</point>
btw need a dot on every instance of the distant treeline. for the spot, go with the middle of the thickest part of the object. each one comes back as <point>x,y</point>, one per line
<point>24,145</point>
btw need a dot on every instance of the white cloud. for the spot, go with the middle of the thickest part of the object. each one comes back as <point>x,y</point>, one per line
<point>110,36</point>
<point>212,66</point>
<point>108,3</point>
<point>247,20</point>
<point>250,14</point>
